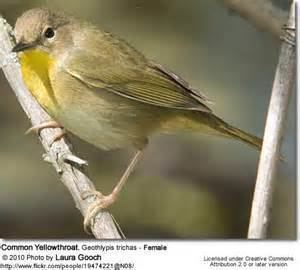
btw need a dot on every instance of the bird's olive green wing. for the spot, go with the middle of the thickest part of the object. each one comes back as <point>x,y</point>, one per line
<point>136,79</point>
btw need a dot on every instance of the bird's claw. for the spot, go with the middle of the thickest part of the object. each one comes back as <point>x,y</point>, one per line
<point>102,202</point>
<point>288,35</point>
<point>50,124</point>
<point>39,127</point>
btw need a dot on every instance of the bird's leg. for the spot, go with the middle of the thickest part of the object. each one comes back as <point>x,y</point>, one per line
<point>48,124</point>
<point>103,201</point>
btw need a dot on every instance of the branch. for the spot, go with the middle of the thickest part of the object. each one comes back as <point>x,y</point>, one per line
<point>59,153</point>
<point>261,13</point>
<point>282,87</point>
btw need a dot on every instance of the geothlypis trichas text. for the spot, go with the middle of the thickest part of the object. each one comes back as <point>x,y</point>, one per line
<point>103,90</point>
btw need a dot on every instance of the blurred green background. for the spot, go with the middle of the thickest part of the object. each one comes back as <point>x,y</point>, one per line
<point>187,186</point>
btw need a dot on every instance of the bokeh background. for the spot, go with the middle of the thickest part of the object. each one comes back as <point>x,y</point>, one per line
<point>187,185</point>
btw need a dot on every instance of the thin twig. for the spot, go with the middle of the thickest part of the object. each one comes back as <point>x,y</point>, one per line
<point>263,14</point>
<point>281,92</point>
<point>60,154</point>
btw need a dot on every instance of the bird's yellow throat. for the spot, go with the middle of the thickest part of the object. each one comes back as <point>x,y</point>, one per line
<point>36,66</point>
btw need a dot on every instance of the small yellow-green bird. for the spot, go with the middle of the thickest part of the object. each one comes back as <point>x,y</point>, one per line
<point>100,88</point>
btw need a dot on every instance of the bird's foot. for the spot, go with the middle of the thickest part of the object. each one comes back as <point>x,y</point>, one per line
<point>62,133</point>
<point>289,35</point>
<point>38,128</point>
<point>101,202</point>
<point>49,124</point>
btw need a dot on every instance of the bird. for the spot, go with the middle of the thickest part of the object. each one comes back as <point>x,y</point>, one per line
<point>102,89</point>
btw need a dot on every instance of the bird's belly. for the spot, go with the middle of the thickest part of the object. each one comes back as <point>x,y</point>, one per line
<point>108,123</point>
<point>95,129</point>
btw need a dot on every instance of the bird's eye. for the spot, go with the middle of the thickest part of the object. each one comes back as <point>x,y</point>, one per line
<point>49,33</point>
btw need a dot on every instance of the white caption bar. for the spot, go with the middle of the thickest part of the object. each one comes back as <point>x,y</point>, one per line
<point>143,255</point>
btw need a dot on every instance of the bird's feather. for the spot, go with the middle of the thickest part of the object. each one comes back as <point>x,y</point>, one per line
<point>130,75</point>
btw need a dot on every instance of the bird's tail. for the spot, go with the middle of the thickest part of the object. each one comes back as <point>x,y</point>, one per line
<point>226,130</point>
<point>238,134</point>
<point>210,124</point>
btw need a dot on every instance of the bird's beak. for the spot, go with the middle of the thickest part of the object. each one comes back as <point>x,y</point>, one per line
<point>22,47</point>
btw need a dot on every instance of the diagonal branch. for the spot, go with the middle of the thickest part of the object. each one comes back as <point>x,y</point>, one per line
<point>263,14</point>
<point>60,153</point>
<point>281,92</point>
